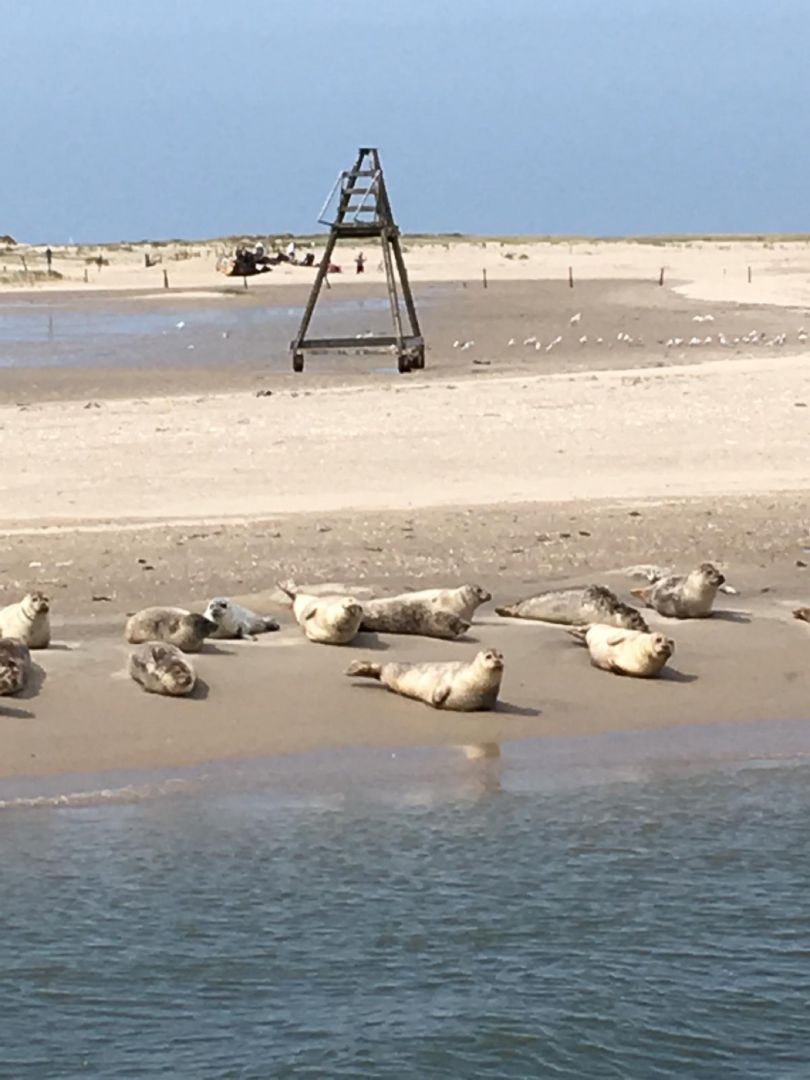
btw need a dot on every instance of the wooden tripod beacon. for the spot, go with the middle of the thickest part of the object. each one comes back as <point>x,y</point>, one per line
<point>364,212</point>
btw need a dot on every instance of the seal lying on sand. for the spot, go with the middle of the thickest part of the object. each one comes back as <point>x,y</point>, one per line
<point>462,687</point>
<point>683,596</point>
<point>15,665</point>
<point>462,601</point>
<point>576,607</point>
<point>404,615</point>
<point>176,626</point>
<point>652,573</point>
<point>28,621</point>
<point>625,652</point>
<point>234,621</point>
<point>327,620</point>
<point>162,669</point>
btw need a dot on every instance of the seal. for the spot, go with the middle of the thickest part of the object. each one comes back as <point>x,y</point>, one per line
<point>683,596</point>
<point>404,615</point>
<point>176,626</point>
<point>234,621</point>
<point>15,665</point>
<point>462,601</point>
<point>162,669</point>
<point>625,652</point>
<point>802,613</point>
<point>28,620</point>
<point>457,685</point>
<point>326,620</point>
<point>577,607</point>
<point>652,573</point>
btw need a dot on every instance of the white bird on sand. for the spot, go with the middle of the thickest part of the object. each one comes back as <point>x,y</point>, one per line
<point>538,345</point>
<point>599,341</point>
<point>456,344</point>
<point>677,341</point>
<point>530,341</point>
<point>180,325</point>
<point>695,341</point>
<point>707,341</point>
<point>583,339</point>
<point>551,344</point>
<point>575,318</point>
<point>510,342</point>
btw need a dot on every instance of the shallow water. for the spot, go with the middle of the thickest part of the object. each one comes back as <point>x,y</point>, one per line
<point>631,908</point>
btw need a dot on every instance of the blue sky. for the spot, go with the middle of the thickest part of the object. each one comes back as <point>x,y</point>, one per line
<point>196,118</point>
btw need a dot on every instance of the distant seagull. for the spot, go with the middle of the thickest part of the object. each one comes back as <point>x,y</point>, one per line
<point>575,318</point>
<point>180,325</point>
<point>510,342</point>
<point>707,341</point>
<point>226,334</point>
<point>538,345</point>
<point>583,339</point>
<point>530,341</point>
<point>551,344</point>
<point>456,344</point>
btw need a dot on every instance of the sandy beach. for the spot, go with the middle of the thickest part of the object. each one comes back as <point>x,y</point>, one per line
<point>140,471</point>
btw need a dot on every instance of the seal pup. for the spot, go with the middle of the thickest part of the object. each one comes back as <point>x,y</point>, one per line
<point>162,669</point>
<point>462,601</point>
<point>28,620</point>
<point>176,626</point>
<point>577,607</point>
<point>15,665</point>
<point>234,621</point>
<point>404,615</point>
<point>683,596</point>
<point>326,620</point>
<point>625,652</point>
<point>458,685</point>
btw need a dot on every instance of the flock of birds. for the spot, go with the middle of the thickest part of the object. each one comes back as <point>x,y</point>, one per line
<point>753,337</point>
<point>615,633</point>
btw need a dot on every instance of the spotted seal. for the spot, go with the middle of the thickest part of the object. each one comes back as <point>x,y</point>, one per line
<point>404,615</point>
<point>28,620</point>
<point>15,665</point>
<point>175,626</point>
<point>326,620</point>
<point>234,621</point>
<point>577,607</point>
<point>625,652</point>
<point>683,596</point>
<point>457,685</point>
<point>462,601</point>
<point>162,669</point>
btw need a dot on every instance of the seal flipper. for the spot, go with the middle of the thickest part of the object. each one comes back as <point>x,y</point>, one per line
<point>645,595</point>
<point>578,633</point>
<point>364,669</point>
<point>439,696</point>
<point>506,612</point>
<point>288,587</point>
<point>270,624</point>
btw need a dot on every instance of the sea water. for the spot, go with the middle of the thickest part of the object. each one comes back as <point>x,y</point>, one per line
<point>633,907</point>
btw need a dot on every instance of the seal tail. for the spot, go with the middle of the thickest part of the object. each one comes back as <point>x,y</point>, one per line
<point>289,587</point>
<point>578,633</point>
<point>270,624</point>
<point>506,612</point>
<point>364,669</point>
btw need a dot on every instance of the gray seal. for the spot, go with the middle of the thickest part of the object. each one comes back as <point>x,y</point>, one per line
<point>462,601</point>
<point>461,687</point>
<point>683,596</point>
<point>175,626</point>
<point>15,665</point>
<point>162,669</point>
<point>577,607</point>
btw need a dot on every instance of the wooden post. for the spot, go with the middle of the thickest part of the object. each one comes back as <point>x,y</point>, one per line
<point>485,277</point>
<point>165,279</point>
<point>244,282</point>
<point>570,277</point>
<point>661,277</point>
<point>749,275</point>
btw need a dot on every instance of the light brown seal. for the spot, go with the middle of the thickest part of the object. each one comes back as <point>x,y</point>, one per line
<point>28,621</point>
<point>15,665</point>
<point>577,607</point>
<point>326,620</point>
<point>683,596</point>
<point>162,669</point>
<point>460,686</point>
<point>462,601</point>
<point>403,615</point>
<point>175,626</point>
<point>625,652</point>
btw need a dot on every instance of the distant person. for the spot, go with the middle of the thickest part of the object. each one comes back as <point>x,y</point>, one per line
<point>308,259</point>
<point>48,258</point>
<point>291,251</point>
<point>258,251</point>
<point>360,263</point>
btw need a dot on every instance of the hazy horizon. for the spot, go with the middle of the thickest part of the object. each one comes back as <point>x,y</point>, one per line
<point>560,118</point>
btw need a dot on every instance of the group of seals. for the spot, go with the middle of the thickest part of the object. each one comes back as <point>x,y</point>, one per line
<point>460,686</point>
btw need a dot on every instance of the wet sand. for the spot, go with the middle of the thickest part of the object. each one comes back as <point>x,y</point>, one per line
<point>529,467</point>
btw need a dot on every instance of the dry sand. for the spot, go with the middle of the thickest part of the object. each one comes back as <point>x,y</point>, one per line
<point>532,468</point>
